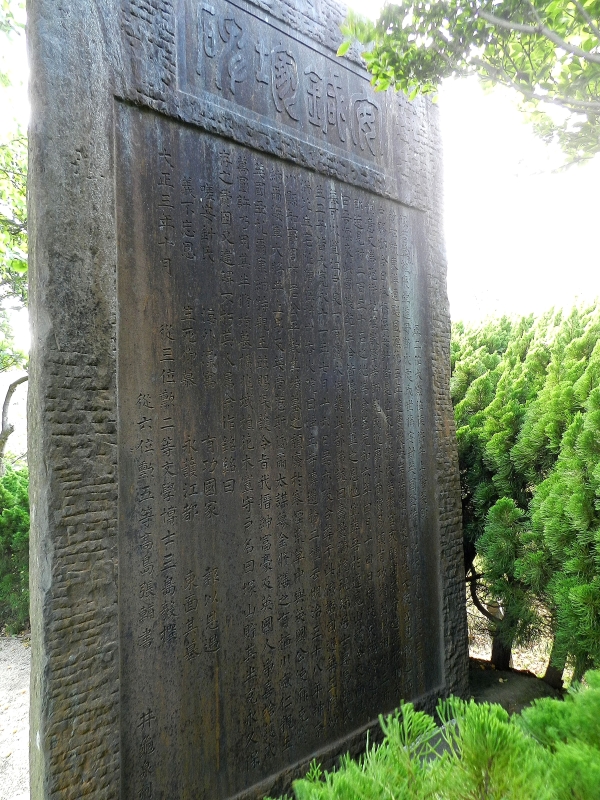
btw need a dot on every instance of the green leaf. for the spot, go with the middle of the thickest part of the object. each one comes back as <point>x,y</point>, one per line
<point>344,47</point>
<point>19,265</point>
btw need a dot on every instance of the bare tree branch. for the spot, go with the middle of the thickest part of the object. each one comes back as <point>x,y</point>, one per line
<point>7,427</point>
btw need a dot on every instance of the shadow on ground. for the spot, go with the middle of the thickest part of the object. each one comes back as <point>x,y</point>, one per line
<point>513,689</point>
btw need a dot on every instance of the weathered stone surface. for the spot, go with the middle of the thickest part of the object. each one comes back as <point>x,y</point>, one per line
<point>246,518</point>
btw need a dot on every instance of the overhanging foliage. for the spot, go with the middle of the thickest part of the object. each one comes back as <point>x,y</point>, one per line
<point>549,52</point>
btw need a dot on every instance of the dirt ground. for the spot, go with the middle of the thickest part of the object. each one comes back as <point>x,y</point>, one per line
<point>533,658</point>
<point>513,690</point>
<point>15,657</point>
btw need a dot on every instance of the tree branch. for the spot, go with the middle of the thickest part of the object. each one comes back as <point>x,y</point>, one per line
<point>566,102</point>
<point>534,11</point>
<point>595,29</point>
<point>9,393</point>
<point>12,225</point>
<point>472,579</point>
<point>10,172</point>
<point>7,428</point>
<point>539,30</point>
<point>439,52</point>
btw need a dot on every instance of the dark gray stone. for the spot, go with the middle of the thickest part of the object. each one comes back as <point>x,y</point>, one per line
<point>246,514</point>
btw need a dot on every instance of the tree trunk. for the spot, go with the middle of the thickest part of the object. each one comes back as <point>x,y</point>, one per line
<point>7,427</point>
<point>501,654</point>
<point>554,673</point>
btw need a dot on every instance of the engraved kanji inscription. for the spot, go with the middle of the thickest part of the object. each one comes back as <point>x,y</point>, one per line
<point>281,495</point>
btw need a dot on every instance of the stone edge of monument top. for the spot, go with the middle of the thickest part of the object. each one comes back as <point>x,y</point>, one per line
<point>87,56</point>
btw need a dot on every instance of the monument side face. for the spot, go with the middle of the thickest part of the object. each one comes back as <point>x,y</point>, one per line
<point>246,513</point>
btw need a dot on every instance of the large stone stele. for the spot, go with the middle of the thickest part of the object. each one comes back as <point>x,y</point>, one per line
<point>245,500</point>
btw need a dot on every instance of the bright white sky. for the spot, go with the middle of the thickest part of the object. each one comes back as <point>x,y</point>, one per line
<point>519,237</point>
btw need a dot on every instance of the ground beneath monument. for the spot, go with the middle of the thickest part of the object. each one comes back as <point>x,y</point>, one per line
<point>513,689</point>
<point>15,658</point>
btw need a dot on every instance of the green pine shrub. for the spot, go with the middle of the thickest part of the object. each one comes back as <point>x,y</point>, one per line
<point>550,752</point>
<point>570,731</point>
<point>490,757</point>
<point>14,550</point>
<point>403,766</point>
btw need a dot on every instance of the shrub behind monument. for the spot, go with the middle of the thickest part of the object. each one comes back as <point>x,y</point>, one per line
<point>14,550</point>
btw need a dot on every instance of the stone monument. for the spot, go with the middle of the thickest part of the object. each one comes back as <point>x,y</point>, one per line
<point>245,500</point>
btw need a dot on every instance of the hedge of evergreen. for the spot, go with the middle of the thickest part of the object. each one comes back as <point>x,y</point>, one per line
<point>14,551</point>
<point>526,395</point>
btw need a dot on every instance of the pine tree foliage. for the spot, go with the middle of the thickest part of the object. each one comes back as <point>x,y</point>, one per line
<point>570,731</point>
<point>528,426</point>
<point>566,528</point>
<point>489,411</point>
<point>551,412</point>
